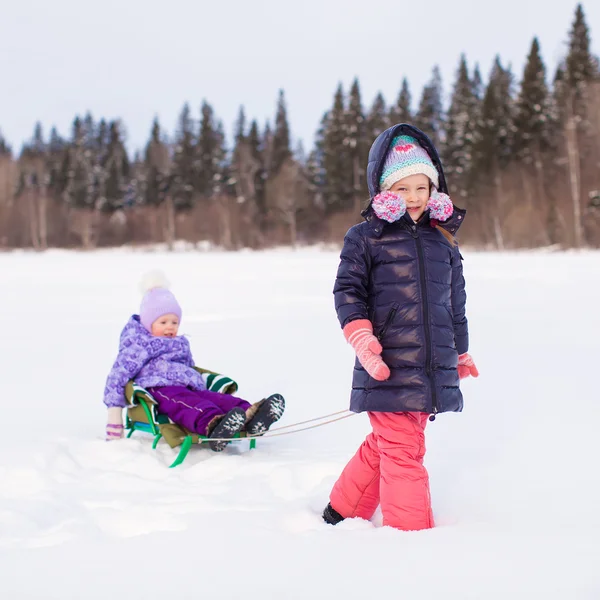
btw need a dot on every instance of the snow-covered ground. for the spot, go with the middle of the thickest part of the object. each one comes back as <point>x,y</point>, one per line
<point>515,477</point>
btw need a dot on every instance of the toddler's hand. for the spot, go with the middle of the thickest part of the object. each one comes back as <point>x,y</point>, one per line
<point>114,425</point>
<point>359,335</point>
<point>466,366</point>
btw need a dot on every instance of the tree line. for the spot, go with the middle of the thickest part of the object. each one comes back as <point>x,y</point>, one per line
<point>522,155</point>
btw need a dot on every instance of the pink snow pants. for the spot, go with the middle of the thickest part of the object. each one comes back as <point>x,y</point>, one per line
<point>388,469</point>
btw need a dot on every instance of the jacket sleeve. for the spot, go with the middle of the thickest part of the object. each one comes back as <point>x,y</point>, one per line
<point>351,284</point>
<point>198,384</point>
<point>459,301</point>
<point>128,364</point>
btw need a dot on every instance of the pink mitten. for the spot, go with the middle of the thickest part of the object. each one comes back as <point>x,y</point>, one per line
<point>359,334</point>
<point>114,425</point>
<point>466,366</point>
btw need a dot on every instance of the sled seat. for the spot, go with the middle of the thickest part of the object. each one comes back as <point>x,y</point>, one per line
<point>142,415</point>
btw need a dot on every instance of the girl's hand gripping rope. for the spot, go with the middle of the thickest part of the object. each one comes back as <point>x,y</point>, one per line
<point>359,334</point>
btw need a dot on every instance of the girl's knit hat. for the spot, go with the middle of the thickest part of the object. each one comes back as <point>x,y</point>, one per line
<point>406,157</point>
<point>157,300</point>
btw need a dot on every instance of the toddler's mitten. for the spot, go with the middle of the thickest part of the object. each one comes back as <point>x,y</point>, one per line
<point>466,366</point>
<point>359,335</point>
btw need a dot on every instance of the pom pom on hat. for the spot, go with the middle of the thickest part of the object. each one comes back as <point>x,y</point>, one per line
<point>389,206</point>
<point>440,206</point>
<point>153,279</point>
<point>157,300</point>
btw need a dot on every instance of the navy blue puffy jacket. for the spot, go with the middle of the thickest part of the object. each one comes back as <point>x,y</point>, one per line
<point>407,279</point>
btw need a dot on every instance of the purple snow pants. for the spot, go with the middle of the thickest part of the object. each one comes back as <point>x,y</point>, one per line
<point>194,410</point>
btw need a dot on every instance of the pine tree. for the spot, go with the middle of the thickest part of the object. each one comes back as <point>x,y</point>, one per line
<point>287,195</point>
<point>185,169</point>
<point>209,154</point>
<point>241,150</point>
<point>116,168</point>
<point>477,83</point>
<point>533,131</point>
<point>580,65</point>
<point>266,150</point>
<point>534,134</point>
<point>56,152</point>
<point>7,185</point>
<point>93,143</point>
<point>135,185</point>
<point>37,143</point>
<point>80,189</point>
<point>222,168</point>
<point>478,92</point>
<point>581,70</point>
<point>430,116</point>
<point>82,181</point>
<point>5,149</point>
<point>88,130</point>
<point>559,95</point>
<point>315,170</point>
<point>157,167</point>
<point>102,139</point>
<point>402,111</point>
<point>32,162</point>
<point>239,154</point>
<point>492,152</point>
<point>245,163</point>
<point>377,119</point>
<point>33,187</point>
<point>461,123</point>
<point>156,185</point>
<point>245,182</point>
<point>337,166</point>
<point>281,137</point>
<point>356,145</point>
<point>240,126</point>
<point>254,142</point>
<point>496,122</point>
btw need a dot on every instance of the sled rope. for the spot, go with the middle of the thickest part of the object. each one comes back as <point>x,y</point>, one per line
<point>273,433</point>
<point>339,412</point>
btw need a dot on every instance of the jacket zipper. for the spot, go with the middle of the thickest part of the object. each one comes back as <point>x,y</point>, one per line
<point>387,323</point>
<point>429,354</point>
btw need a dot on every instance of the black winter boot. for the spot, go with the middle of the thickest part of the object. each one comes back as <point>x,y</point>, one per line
<point>227,427</point>
<point>332,516</point>
<point>264,413</point>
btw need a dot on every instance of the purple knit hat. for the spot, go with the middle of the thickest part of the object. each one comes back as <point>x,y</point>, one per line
<point>157,300</point>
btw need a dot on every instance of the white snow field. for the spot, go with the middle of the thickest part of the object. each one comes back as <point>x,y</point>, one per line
<point>514,478</point>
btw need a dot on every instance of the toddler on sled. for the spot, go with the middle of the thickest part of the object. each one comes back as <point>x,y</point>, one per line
<point>153,354</point>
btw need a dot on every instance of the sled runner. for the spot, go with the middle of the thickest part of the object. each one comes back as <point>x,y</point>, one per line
<point>142,415</point>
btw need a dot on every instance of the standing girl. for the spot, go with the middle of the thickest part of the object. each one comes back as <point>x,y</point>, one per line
<point>400,299</point>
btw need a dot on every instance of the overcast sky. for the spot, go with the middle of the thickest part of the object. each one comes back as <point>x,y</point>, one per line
<point>135,59</point>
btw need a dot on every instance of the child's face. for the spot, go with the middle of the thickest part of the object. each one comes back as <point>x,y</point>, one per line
<point>166,326</point>
<point>415,191</point>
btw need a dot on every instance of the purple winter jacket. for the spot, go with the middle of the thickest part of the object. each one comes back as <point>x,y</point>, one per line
<point>152,361</point>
